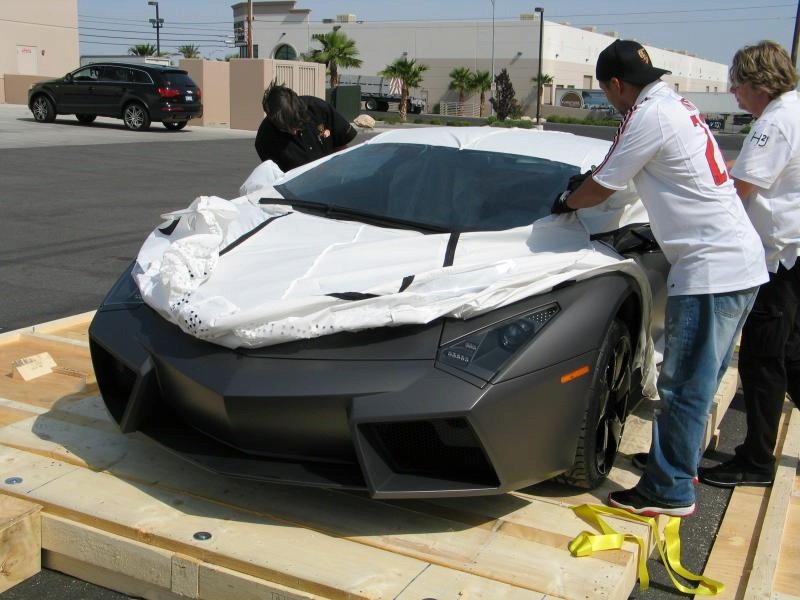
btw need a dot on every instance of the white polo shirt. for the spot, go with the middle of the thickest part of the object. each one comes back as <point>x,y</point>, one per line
<point>665,147</point>
<point>770,160</point>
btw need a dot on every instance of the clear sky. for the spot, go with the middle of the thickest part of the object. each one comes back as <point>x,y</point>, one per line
<point>712,29</point>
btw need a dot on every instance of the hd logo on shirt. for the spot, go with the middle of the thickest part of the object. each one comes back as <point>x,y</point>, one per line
<point>759,139</point>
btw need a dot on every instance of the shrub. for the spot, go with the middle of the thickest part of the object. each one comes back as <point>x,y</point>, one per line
<point>419,120</point>
<point>745,129</point>
<point>504,101</point>
<point>490,119</point>
<point>459,123</point>
<point>436,121</point>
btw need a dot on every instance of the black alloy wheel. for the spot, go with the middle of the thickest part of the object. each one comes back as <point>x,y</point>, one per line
<point>135,116</point>
<point>175,125</point>
<point>43,109</point>
<point>84,118</point>
<point>604,419</point>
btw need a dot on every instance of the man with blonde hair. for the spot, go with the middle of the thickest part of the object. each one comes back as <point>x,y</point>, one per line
<point>767,177</point>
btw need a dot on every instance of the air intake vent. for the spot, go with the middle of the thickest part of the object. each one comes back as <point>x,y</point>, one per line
<point>439,448</point>
<point>114,379</point>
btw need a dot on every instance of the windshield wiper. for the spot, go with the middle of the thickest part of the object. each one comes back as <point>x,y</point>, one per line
<point>333,211</point>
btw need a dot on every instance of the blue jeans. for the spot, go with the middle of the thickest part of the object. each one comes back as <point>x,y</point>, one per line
<point>700,332</point>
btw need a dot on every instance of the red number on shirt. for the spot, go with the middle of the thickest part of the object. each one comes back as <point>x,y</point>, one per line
<point>719,175</point>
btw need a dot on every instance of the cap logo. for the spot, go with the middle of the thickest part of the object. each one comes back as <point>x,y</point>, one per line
<point>643,55</point>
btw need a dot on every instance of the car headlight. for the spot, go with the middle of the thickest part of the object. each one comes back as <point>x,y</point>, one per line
<point>124,293</point>
<point>484,352</point>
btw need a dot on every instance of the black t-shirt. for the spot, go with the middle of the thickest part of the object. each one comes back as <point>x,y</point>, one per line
<point>325,131</point>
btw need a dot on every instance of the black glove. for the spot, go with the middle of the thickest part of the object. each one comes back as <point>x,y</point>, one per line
<point>560,206</point>
<point>576,180</point>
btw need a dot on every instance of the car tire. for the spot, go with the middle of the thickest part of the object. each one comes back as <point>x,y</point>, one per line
<point>175,125</point>
<point>135,116</point>
<point>604,419</point>
<point>43,109</point>
<point>84,118</point>
<point>371,104</point>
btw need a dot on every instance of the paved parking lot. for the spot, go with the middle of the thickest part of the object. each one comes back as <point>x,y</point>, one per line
<point>19,130</point>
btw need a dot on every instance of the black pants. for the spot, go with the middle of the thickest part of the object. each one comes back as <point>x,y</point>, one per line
<point>769,362</point>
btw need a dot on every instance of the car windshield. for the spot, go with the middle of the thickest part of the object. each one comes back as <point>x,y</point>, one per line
<point>434,187</point>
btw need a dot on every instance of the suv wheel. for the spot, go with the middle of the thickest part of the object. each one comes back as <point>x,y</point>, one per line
<point>175,125</point>
<point>84,118</point>
<point>42,109</point>
<point>135,117</point>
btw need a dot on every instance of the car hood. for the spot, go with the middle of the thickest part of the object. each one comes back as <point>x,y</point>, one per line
<point>242,275</point>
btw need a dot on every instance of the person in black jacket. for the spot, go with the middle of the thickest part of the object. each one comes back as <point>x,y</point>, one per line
<point>299,129</point>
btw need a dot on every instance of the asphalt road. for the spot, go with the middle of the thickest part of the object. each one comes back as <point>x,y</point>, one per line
<point>77,201</point>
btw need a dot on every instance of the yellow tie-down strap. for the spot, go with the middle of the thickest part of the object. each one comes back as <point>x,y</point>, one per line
<point>669,548</point>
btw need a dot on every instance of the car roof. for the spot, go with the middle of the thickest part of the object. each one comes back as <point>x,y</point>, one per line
<point>558,146</point>
<point>142,66</point>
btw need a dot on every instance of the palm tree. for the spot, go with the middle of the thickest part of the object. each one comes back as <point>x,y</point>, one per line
<point>189,51</point>
<point>482,81</point>
<point>338,50</point>
<point>461,80</point>
<point>410,75</point>
<point>142,50</point>
<point>545,80</point>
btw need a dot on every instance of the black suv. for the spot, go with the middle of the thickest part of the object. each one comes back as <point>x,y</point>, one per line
<point>135,93</point>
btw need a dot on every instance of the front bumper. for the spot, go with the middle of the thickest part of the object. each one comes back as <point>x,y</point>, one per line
<point>395,428</point>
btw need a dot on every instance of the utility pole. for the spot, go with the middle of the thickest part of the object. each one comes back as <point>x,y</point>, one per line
<point>796,35</point>
<point>539,10</point>
<point>157,24</point>
<point>249,28</point>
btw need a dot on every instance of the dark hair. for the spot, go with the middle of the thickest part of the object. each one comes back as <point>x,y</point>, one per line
<point>284,108</point>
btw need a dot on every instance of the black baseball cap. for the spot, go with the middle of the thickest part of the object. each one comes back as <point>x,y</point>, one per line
<point>629,61</point>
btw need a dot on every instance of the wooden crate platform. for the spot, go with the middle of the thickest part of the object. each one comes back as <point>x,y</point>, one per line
<point>120,511</point>
<point>757,544</point>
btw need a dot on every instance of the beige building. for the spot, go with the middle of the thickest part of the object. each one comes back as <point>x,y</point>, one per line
<point>38,39</point>
<point>283,30</point>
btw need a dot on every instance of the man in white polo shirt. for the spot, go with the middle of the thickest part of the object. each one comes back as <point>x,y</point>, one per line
<point>767,176</point>
<point>716,257</point>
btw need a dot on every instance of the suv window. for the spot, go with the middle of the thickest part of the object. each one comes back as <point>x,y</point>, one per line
<point>177,79</point>
<point>90,73</point>
<point>109,73</point>
<point>140,76</point>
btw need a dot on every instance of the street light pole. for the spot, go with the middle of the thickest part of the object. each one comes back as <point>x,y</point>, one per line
<point>492,86</point>
<point>157,23</point>
<point>539,10</point>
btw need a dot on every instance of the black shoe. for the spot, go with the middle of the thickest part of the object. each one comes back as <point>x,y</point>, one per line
<point>634,502</point>
<point>639,460</point>
<point>735,472</point>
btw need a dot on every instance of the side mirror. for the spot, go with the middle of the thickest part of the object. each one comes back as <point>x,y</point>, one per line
<point>68,77</point>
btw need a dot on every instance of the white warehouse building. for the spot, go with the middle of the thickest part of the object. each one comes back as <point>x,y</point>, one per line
<point>281,30</point>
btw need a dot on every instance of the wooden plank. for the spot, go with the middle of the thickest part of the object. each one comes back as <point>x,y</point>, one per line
<point>20,541</point>
<point>787,578</point>
<point>722,400</point>
<point>518,554</point>
<point>73,327</point>
<point>768,551</point>
<point>47,389</point>
<point>732,554</point>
